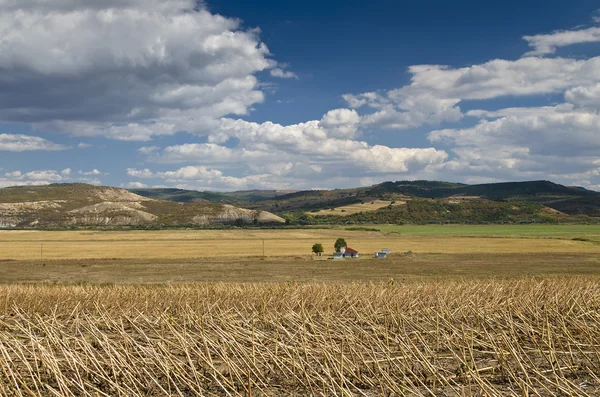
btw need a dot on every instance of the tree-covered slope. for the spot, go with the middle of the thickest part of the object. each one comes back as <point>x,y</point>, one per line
<point>566,199</point>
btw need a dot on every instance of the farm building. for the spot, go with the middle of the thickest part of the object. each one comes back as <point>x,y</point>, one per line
<point>383,253</point>
<point>345,252</point>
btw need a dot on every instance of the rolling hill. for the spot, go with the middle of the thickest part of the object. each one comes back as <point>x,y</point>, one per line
<point>186,196</point>
<point>80,205</point>
<point>414,202</point>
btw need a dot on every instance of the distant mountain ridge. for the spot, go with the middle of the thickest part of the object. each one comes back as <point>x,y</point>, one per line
<point>566,200</point>
<point>419,188</point>
<point>185,196</point>
<point>80,205</point>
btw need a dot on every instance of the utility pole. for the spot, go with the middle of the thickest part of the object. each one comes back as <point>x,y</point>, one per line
<point>263,247</point>
<point>42,254</point>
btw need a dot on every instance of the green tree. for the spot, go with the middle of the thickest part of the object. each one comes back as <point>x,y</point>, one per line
<point>289,218</point>
<point>339,243</point>
<point>318,249</point>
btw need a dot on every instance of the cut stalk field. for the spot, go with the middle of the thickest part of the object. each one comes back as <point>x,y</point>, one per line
<point>522,337</point>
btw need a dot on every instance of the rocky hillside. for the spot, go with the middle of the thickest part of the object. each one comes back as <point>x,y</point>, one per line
<point>73,205</point>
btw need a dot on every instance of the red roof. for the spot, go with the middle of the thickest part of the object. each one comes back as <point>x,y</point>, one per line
<point>351,251</point>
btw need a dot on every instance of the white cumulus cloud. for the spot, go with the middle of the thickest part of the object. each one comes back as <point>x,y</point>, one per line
<point>436,91</point>
<point>283,74</point>
<point>544,44</point>
<point>316,152</point>
<point>45,177</point>
<point>204,178</point>
<point>136,185</point>
<point>92,172</point>
<point>24,143</point>
<point>340,123</point>
<point>125,69</point>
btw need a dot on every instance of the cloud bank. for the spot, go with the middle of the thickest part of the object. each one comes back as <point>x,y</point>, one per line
<point>133,70</point>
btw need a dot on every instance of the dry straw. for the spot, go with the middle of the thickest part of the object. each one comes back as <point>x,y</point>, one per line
<point>476,338</point>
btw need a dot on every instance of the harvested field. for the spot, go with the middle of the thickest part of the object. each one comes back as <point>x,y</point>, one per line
<point>171,245</point>
<point>350,209</point>
<point>399,266</point>
<point>516,338</point>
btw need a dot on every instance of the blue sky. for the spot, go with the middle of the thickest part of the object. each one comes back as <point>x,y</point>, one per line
<point>233,95</point>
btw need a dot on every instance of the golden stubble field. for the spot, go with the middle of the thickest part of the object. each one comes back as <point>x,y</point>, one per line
<point>237,255</point>
<point>27,245</point>
<point>519,337</point>
<point>454,311</point>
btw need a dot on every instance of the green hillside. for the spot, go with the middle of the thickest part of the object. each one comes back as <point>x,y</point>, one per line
<point>184,196</point>
<point>422,202</point>
<point>426,211</point>
<point>187,196</point>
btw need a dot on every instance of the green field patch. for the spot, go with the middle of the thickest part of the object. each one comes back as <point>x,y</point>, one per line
<point>548,231</point>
